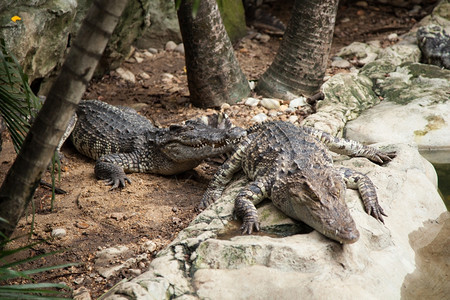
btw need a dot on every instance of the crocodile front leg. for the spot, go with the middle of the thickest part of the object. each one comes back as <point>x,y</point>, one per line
<point>366,188</point>
<point>244,205</point>
<point>349,147</point>
<point>223,176</point>
<point>112,168</point>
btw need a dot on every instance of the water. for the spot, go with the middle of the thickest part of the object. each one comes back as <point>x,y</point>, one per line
<point>443,172</point>
<point>441,163</point>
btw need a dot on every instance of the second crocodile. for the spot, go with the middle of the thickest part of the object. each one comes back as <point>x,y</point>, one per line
<point>123,141</point>
<point>293,167</point>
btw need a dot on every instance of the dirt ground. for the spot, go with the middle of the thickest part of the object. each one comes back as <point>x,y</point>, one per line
<point>146,215</point>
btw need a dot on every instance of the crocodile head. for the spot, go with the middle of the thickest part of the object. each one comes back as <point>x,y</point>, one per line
<point>200,138</point>
<point>318,199</point>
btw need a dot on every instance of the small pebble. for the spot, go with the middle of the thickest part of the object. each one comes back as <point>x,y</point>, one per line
<point>225,106</point>
<point>263,38</point>
<point>393,37</point>
<point>293,119</point>
<point>341,63</point>
<point>144,75</point>
<point>126,75</point>
<point>170,46</point>
<point>135,272</point>
<point>152,50</point>
<point>138,59</point>
<point>270,103</point>
<point>251,101</point>
<point>149,246</point>
<point>362,4</point>
<point>300,101</point>
<point>179,48</point>
<point>58,233</point>
<point>252,84</point>
<point>147,53</point>
<point>259,118</point>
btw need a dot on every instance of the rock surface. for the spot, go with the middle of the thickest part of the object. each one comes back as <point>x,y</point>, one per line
<point>416,109</point>
<point>210,256</point>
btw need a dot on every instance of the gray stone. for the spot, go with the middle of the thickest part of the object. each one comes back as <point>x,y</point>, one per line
<point>270,103</point>
<point>294,103</point>
<point>259,118</point>
<point>152,50</point>
<point>341,63</point>
<point>126,75</point>
<point>59,233</point>
<point>251,101</point>
<point>179,48</point>
<point>170,46</point>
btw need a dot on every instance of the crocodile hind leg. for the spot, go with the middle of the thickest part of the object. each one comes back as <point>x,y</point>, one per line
<point>349,147</point>
<point>223,176</point>
<point>366,188</point>
<point>244,205</point>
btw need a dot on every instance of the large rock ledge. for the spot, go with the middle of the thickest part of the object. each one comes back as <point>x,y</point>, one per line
<point>209,259</point>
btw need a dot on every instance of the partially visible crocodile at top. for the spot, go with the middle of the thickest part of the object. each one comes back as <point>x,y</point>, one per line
<point>123,141</point>
<point>292,166</point>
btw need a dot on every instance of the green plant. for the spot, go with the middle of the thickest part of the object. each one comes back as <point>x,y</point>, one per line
<point>18,104</point>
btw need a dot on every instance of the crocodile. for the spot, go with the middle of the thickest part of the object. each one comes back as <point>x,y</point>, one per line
<point>122,141</point>
<point>292,166</point>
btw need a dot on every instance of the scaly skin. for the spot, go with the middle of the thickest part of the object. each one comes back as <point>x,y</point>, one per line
<point>292,166</point>
<point>122,142</point>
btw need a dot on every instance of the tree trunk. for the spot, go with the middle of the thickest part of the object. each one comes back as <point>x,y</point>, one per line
<point>214,75</point>
<point>39,145</point>
<point>300,63</point>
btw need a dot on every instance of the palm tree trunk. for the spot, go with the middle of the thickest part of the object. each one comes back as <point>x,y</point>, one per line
<point>214,74</point>
<point>300,63</point>
<point>22,179</point>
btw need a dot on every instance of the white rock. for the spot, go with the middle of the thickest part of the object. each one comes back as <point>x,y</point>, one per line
<point>138,59</point>
<point>300,101</point>
<point>179,48</point>
<point>341,63</point>
<point>270,103</point>
<point>393,37</point>
<point>259,118</point>
<point>144,75</point>
<point>147,54</point>
<point>149,246</point>
<point>252,84</point>
<point>418,112</point>
<point>58,233</point>
<point>112,252</point>
<point>170,46</point>
<point>126,75</point>
<point>252,101</point>
<point>152,50</point>
<point>293,119</point>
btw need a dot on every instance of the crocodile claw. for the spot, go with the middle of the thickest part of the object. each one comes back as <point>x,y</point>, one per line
<point>117,182</point>
<point>248,226</point>
<point>382,157</point>
<point>376,211</point>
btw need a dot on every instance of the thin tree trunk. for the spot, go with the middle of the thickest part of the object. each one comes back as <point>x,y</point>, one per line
<point>39,145</point>
<point>214,74</point>
<point>300,63</point>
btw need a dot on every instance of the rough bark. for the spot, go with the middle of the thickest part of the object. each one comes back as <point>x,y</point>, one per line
<point>214,74</point>
<point>300,63</point>
<point>23,177</point>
